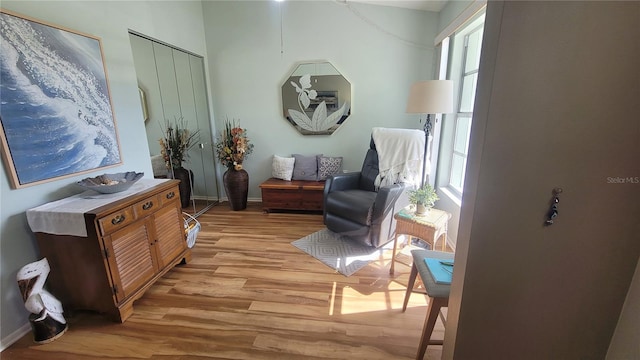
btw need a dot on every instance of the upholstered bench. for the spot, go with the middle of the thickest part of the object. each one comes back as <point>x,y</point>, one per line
<point>280,194</point>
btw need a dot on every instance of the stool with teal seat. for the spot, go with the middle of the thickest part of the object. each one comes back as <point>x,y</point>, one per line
<point>438,294</point>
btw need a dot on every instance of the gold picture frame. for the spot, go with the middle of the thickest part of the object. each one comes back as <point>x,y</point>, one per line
<point>56,111</point>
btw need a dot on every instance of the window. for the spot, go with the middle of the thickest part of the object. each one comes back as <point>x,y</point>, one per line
<point>462,128</point>
<point>462,68</point>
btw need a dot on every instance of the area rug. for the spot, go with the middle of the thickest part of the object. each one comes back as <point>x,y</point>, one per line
<point>338,252</point>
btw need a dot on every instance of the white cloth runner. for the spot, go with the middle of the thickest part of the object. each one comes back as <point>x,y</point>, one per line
<point>66,216</point>
<point>400,155</point>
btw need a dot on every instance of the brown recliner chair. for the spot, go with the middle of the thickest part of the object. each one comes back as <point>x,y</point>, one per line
<point>354,208</point>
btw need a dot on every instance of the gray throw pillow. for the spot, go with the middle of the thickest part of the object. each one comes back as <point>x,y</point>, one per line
<point>305,167</point>
<point>328,165</point>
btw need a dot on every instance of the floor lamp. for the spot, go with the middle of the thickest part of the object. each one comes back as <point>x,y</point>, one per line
<point>430,97</point>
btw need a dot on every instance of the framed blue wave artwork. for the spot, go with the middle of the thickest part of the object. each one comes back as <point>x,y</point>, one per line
<point>55,106</point>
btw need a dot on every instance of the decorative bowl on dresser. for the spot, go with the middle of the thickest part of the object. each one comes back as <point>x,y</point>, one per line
<point>111,183</point>
<point>106,251</point>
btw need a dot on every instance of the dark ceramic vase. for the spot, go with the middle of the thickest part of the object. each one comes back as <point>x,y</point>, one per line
<point>236,185</point>
<point>186,178</point>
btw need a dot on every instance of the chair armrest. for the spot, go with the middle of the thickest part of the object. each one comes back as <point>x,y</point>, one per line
<point>340,182</point>
<point>386,201</point>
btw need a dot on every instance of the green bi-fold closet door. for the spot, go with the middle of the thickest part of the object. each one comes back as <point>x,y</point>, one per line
<point>172,85</point>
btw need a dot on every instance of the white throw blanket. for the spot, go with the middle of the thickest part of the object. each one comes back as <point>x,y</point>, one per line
<point>400,155</point>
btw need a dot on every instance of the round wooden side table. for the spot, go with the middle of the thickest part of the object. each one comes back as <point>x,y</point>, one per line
<point>430,228</point>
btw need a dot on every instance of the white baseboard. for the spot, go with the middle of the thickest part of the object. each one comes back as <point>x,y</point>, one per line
<point>14,336</point>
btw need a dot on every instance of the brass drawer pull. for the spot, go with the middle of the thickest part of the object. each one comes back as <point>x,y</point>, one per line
<point>171,195</point>
<point>118,219</point>
<point>148,205</point>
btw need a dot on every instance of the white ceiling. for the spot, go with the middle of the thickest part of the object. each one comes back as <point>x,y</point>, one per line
<point>427,5</point>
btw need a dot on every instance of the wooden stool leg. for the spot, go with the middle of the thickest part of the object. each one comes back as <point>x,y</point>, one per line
<point>412,281</point>
<point>432,315</point>
<point>393,256</point>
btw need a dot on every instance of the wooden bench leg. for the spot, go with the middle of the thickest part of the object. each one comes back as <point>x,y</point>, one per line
<point>435,304</point>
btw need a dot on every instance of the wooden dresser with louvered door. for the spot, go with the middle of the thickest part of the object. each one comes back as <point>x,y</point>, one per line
<point>129,244</point>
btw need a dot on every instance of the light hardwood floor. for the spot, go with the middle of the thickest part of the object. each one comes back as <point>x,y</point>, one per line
<point>249,294</point>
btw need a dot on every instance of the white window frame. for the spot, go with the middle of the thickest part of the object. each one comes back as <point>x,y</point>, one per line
<point>453,184</point>
<point>455,69</point>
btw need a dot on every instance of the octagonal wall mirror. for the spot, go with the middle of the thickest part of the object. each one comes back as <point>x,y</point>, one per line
<point>316,98</point>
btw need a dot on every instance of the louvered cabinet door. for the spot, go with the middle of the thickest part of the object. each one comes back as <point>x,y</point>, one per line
<point>170,237</point>
<point>130,242</point>
<point>130,258</point>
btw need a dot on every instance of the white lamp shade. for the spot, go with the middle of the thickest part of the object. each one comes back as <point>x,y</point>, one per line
<point>431,97</point>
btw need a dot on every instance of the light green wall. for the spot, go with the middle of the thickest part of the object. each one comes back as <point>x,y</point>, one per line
<point>249,65</point>
<point>246,68</point>
<point>110,21</point>
<point>450,11</point>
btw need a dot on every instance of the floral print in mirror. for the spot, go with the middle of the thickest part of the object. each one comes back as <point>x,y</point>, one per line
<point>316,99</point>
